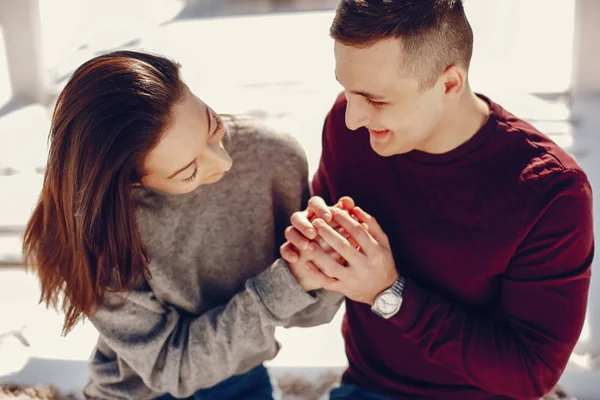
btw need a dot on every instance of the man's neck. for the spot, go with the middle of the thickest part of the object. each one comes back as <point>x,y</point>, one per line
<point>460,123</point>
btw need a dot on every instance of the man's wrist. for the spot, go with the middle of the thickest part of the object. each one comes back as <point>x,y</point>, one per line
<point>388,286</point>
<point>389,302</point>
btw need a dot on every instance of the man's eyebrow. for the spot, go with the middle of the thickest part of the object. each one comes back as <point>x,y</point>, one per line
<point>364,94</point>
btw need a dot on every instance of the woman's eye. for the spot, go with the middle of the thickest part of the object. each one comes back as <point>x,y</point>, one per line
<point>193,176</point>
<point>219,125</point>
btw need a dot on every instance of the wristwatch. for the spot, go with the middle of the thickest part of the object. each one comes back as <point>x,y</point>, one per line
<point>389,302</point>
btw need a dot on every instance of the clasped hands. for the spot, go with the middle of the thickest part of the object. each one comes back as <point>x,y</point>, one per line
<point>339,248</point>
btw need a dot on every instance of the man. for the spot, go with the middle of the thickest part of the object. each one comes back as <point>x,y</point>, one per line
<point>471,276</point>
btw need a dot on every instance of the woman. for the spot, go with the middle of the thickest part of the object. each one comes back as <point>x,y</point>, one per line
<point>144,227</point>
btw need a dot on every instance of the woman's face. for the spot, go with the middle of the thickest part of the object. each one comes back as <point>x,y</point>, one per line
<point>190,153</point>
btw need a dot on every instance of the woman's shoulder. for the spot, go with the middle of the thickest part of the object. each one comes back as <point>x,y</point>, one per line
<point>250,135</point>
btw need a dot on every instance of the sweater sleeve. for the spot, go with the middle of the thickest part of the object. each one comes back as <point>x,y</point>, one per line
<point>178,353</point>
<point>522,352</point>
<point>291,192</point>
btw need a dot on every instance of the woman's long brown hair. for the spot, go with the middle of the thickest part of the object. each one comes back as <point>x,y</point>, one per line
<point>82,238</point>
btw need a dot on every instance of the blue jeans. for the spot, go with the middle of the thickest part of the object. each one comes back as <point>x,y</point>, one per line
<point>353,392</point>
<point>253,385</point>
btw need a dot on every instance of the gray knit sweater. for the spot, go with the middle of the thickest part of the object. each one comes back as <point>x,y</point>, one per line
<point>218,289</point>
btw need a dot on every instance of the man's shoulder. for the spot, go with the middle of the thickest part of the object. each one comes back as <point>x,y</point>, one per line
<point>542,162</point>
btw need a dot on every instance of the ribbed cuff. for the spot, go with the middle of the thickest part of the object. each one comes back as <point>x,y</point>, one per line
<point>413,300</point>
<point>280,292</point>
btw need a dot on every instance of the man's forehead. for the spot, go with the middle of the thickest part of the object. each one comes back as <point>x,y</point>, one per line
<point>375,60</point>
<point>370,69</point>
<point>387,50</point>
<point>370,79</point>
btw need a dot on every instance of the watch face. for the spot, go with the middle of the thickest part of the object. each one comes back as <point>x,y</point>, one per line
<point>388,303</point>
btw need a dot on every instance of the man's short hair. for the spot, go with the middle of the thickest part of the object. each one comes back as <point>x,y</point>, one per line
<point>435,33</point>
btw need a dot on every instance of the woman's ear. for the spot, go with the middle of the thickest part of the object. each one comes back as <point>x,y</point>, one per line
<point>137,180</point>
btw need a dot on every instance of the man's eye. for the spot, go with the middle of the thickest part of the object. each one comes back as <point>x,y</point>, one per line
<point>376,104</point>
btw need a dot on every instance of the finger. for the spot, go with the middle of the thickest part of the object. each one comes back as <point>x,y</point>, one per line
<point>345,234</point>
<point>373,226</point>
<point>326,263</point>
<point>362,237</point>
<point>300,221</point>
<point>345,203</point>
<point>319,209</point>
<point>288,253</point>
<point>327,248</point>
<point>336,257</point>
<point>339,230</point>
<point>337,242</point>
<point>317,276</point>
<point>294,236</point>
<point>335,286</point>
<point>340,260</point>
<point>322,243</point>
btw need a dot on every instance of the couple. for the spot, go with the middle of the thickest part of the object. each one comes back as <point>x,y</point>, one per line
<point>461,237</point>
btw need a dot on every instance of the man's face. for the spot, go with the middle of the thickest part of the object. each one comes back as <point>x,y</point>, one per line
<point>382,97</point>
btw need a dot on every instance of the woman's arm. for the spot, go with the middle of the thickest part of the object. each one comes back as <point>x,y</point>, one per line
<point>179,353</point>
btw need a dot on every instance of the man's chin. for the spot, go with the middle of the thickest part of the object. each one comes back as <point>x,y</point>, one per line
<point>389,150</point>
<point>383,149</point>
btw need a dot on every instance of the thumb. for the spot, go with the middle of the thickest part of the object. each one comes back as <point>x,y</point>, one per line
<point>345,203</point>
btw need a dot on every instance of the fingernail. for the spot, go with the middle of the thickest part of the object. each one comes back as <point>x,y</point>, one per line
<point>327,215</point>
<point>312,247</point>
<point>310,231</point>
<point>319,222</point>
<point>304,244</point>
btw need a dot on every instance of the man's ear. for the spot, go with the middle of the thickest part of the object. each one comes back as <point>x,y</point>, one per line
<point>455,79</point>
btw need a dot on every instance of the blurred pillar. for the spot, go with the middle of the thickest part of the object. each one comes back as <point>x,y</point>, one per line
<point>21,24</point>
<point>586,57</point>
<point>585,102</point>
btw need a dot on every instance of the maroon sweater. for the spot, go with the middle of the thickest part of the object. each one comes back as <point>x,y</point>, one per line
<point>495,241</point>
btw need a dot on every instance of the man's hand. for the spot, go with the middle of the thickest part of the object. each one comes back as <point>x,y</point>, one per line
<point>371,268</point>
<point>306,272</point>
<point>302,231</point>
